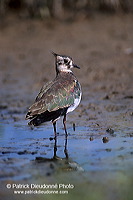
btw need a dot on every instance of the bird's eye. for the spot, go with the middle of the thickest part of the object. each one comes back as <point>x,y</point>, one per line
<point>65,61</point>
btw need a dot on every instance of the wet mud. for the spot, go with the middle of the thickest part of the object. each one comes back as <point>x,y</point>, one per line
<point>97,157</point>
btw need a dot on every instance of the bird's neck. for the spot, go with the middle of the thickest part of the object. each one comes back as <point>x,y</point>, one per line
<point>62,68</point>
<point>62,72</point>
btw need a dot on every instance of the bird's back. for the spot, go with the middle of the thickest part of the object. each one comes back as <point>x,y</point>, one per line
<point>57,95</point>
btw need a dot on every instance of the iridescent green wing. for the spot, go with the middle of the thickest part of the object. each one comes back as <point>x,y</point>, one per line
<point>64,96</point>
<point>60,95</point>
<point>43,90</point>
<point>39,103</point>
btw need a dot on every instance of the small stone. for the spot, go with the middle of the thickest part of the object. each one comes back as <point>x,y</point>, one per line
<point>130,134</point>
<point>91,138</point>
<point>51,166</point>
<point>97,124</point>
<point>128,97</point>
<point>110,130</point>
<point>131,113</point>
<point>105,139</point>
<point>3,106</point>
<point>23,152</point>
<point>4,152</point>
<point>106,97</point>
<point>74,126</point>
<point>108,150</point>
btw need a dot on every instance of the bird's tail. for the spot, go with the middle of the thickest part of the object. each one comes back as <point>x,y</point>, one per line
<point>36,121</point>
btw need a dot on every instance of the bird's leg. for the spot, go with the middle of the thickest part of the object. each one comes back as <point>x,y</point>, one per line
<point>55,138</point>
<point>64,123</point>
<point>54,124</point>
<point>65,149</point>
<point>55,147</point>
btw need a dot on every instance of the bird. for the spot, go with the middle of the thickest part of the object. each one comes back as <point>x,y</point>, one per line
<point>58,97</point>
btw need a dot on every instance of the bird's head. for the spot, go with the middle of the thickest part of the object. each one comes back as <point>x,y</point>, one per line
<point>64,63</point>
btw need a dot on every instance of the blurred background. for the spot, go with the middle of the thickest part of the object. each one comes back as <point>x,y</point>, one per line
<point>97,34</point>
<point>58,8</point>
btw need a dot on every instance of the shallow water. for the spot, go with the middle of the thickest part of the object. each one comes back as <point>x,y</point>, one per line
<point>82,143</point>
<point>92,159</point>
<point>87,148</point>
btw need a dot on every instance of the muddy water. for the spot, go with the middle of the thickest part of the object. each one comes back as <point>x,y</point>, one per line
<point>97,165</point>
<point>97,158</point>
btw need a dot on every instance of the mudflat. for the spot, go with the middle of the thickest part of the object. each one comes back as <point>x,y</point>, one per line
<point>100,144</point>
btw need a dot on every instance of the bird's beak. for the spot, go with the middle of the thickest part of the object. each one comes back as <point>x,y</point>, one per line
<point>55,54</point>
<point>76,66</point>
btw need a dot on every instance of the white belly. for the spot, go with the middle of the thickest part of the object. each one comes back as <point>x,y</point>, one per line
<point>76,103</point>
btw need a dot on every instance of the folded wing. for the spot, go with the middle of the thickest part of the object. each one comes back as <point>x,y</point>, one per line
<point>54,96</point>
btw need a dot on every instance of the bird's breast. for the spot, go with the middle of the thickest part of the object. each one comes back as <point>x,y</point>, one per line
<point>76,103</point>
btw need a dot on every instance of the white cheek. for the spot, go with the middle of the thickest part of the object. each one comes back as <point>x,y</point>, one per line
<point>63,68</point>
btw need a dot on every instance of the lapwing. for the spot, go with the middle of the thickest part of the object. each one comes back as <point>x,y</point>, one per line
<point>58,97</point>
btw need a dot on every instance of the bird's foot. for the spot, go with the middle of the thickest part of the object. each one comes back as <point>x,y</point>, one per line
<point>51,138</point>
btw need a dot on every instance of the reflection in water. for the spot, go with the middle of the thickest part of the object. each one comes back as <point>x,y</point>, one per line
<point>67,163</point>
<point>55,157</point>
<point>65,148</point>
<point>63,164</point>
